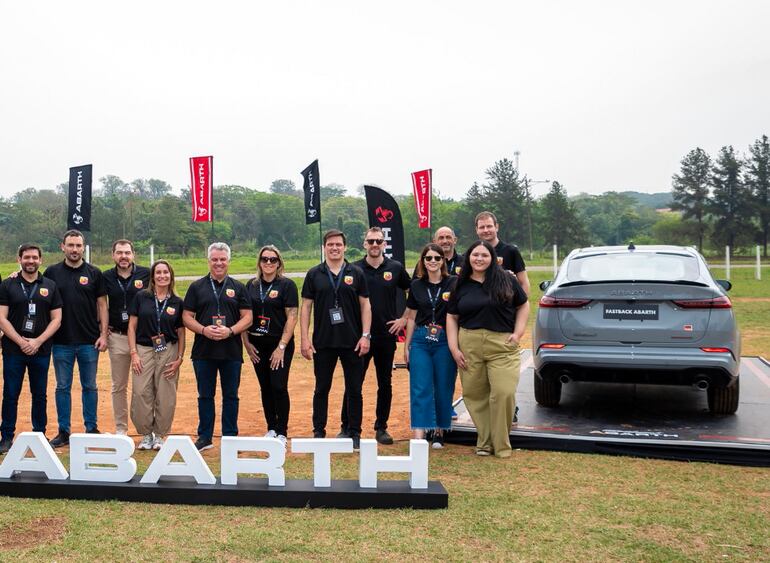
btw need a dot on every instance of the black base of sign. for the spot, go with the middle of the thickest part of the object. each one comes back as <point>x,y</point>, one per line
<point>248,492</point>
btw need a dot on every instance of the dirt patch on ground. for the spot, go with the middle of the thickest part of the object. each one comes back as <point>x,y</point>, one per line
<point>26,535</point>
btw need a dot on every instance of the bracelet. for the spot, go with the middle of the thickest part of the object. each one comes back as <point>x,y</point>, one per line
<point>232,332</point>
<point>180,357</point>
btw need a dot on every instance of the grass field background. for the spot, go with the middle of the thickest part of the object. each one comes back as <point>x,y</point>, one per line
<point>535,506</point>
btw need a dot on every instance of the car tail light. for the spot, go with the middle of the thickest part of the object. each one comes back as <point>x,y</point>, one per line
<point>552,346</point>
<point>717,350</point>
<point>722,302</point>
<point>567,303</point>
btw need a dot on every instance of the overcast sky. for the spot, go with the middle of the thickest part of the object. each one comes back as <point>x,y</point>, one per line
<point>597,95</point>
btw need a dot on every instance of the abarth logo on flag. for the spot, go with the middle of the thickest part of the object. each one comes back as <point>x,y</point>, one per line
<point>83,280</point>
<point>348,280</point>
<point>230,292</point>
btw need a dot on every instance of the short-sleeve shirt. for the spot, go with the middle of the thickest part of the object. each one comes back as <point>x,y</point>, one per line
<point>509,257</point>
<point>319,288</point>
<point>79,289</point>
<point>121,291</point>
<point>279,295</point>
<point>143,307</point>
<point>43,294</point>
<point>384,283</point>
<point>424,296</point>
<point>476,309</point>
<point>200,299</point>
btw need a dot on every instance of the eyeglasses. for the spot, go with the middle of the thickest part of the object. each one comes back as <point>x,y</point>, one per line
<point>431,258</point>
<point>377,241</point>
<point>269,259</point>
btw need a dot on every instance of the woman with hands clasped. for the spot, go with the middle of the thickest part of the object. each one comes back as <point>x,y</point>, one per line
<point>432,371</point>
<point>270,340</point>
<point>486,319</point>
<point>156,338</point>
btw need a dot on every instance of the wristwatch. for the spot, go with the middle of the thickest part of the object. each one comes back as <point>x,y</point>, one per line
<point>281,346</point>
<point>367,335</point>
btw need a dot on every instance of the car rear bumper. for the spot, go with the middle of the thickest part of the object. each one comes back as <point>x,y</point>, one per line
<point>658,365</point>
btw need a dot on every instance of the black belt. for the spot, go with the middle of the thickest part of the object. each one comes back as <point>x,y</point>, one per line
<point>118,331</point>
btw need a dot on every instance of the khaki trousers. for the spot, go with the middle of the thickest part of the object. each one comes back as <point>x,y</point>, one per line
<point>153,397</point>
<point>489,386</point>
<point>120,365</point>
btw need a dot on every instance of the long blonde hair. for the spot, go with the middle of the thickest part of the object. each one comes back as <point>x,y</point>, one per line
<point>271,248</point>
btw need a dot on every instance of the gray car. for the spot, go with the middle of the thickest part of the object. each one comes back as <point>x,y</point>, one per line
<point>646,314</point>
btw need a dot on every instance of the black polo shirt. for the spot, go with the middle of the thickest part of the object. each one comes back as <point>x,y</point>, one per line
<point>423,293</point>
<point>143,308</point>
<point>509,257</point>
<point>476,309</point>
<point>201,300</point>
<point>79,289</point>
<point>279,295</point>
<point>384,283</point>
<point>318,288</point>
<point>121,291</point>
<point>45,298</point>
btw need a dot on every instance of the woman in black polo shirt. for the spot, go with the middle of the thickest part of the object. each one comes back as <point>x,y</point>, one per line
<point>432,370</point>
<point>156,338</point>
<point>486,320</point>
<point>270,340</point>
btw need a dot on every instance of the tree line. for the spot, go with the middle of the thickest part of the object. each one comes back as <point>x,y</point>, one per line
<point>723,201</point>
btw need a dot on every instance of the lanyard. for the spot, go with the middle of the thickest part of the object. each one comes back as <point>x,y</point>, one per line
<point>31,294</point>
<point>451,264</point>
<point>217,295</point>
<point>335,286</point>
<point>434,301</point>
<point>124,288</point>
<point>264,294</point>
<point>159,310</point>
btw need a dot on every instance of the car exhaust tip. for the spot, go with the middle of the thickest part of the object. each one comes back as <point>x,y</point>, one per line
<point>702,384</point>
<point>564,378</point>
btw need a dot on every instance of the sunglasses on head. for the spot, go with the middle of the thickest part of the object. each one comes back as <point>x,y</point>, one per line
<point>431,258</point>
<point>376,241</point>
<point>269,259</point>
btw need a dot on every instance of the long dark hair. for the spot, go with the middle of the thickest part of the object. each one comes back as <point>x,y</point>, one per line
<point>497,282</point>
<point>155,264</point>
<point>422,272</point>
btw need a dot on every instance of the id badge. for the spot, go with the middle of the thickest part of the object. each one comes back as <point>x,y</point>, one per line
<point>434,331</point>
<point>159,343</point>
<point>29,324</point>
<point>336,316</point>
<point>263,325</point>
<point>31,309</point>
<point>218,320</point>
<point>124,316</point>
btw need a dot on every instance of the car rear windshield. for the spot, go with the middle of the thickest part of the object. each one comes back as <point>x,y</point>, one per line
<point>650,266</point>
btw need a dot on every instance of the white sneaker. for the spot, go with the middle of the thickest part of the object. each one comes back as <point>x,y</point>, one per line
<point>282,439</point>
<point>146,443</point>
<point>157,443</point>
<point>270,434</point>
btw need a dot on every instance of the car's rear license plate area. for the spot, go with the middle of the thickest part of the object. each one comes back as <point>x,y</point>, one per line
<point>631,312</point>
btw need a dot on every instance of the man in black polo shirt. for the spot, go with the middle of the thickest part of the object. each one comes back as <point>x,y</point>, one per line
<point>385,278</point>
<point>122,282</point>
<point>30,313</point>
<point>341,327</point>
<point>508,255</point>
<point>83,332</point>
<point>217,309</point>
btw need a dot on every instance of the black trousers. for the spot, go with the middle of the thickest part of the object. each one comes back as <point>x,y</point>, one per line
<point>324,362</point>
<point>274,383</point>
<point>382,352</point>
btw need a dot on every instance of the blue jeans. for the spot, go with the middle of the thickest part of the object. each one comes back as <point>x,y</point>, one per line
<point>230,378</point>
<point>64,356</point>
<point>432,374</point>
<point>13,377</point>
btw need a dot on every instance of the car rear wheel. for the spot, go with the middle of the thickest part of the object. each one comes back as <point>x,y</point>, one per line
<point>547,391</point>
<point>724,400</point>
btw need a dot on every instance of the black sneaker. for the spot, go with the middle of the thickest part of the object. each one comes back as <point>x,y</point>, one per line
<point>356,443</point>
<point>94,430</point>
<point>438,441</point>
<point>61,439</point>
<point>384,438</point>
<point>202,444</point>
<point>319,434</point>
<point>343,433</point>
<point>5,445</point>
